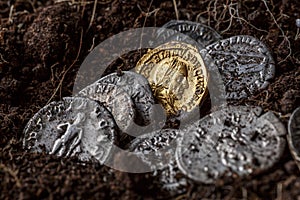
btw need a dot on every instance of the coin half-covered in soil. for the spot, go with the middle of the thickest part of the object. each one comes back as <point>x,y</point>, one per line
<point>74,126</point>
<point>202,34</point>
<point>117,101</point>
<point>138,89</point>
<point>245,64</point>
<point>294,135</point>
<point>229,142</point>
<point>157,150</point>
<point>177,76</point>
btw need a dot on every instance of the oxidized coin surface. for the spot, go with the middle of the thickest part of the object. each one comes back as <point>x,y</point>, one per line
<point>74,126</point>
<point>245,64</point>
<point>117,101</point>
<point>294,135</point>
<point>177,76</point>
<point>204,35</point>
<point>234,140</point>
<point>138,89</point>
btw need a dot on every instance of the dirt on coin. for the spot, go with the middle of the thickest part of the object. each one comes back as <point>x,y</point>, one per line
<point>42,45</point>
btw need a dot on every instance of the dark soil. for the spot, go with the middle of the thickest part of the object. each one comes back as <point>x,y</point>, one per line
<point>42,45</point>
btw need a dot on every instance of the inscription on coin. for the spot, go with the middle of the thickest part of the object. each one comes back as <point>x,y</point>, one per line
<point>138,89</point>
<point>177,76</point>
<point>117,101</point>
<point>204,35</point>
<point>245,63</point>
<point>234,140</point>
<point>73,126</point>
<point>294,135</point>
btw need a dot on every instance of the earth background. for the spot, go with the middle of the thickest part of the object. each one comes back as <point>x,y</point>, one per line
<point>42,45</point>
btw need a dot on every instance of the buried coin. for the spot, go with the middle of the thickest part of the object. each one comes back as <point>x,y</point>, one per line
<point>177,76</point>
<point>231,141</point>
<point>117,101</point>
<point>294,135</point>
<point>74,126</point>
<point>245,64</point>
<point>138,89</point>
<point>202,34</point>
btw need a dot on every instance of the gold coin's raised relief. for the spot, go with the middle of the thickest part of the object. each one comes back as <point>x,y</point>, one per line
<point>177,76</point>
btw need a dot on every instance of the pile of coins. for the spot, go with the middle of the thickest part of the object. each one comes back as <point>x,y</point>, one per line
<point>232,141</point>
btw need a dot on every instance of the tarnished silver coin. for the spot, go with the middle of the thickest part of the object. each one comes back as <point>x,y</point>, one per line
<point>235,140</point>
<point>117,101</point>
<point>202,34</point>
<point>138,89</point>
<point>245,64</point>
<point>156,149</point>
<point>74,126</point>
<point>294,135</point>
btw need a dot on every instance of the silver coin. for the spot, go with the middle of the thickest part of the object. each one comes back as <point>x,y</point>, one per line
<point>72,127</point>
<point>294,135</point>
<point>234,140</point>
<point>156,149</point>
<point>202,34</point>
<point>138,89</point>
<point>245,64</point>
<point>117,101</point>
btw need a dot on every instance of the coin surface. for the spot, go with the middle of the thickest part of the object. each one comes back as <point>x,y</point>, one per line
<point>177,76</point>
<point>202,34</point>
<point>235,140</point>
<point>245,64</point>
<point>117,101</point>
<point>72,127</point>
<point>294,135</point>
<point>138,89</point>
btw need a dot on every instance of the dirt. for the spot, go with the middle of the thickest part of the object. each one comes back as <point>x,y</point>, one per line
<point>42,45</point>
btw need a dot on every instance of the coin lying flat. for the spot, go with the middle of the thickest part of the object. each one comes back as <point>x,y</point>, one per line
<point>117,101</point>
<point>177,76</point>
<point>234,140</point>
<point>157,149</point>
<point>204,35</point>
<point>245,64</point>
<point>73,126</point>
<point>294,135</point>
<point>138,89</point>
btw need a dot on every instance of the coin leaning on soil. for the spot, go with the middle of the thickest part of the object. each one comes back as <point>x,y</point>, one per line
<point>234,141</point>
<point>176,74</point>
<point>74,126</point>
<point>293,136</point>
<point>245,64</point>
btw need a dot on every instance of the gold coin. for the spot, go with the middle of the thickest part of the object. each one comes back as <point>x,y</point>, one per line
<point>177,76</point>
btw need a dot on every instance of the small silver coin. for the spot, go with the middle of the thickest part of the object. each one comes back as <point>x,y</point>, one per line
<point>234,140</point>
<point>294,135</point>
<point>117,101</point>
<point>72,127</point>
<point>202,34</point>
<point>138,89</point>
<point>245,64</point>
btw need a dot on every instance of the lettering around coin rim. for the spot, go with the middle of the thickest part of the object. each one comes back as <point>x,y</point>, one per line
<point>245,64</point>
<point>177,76</point>
<point>74,126</point>
<point>293,136</point>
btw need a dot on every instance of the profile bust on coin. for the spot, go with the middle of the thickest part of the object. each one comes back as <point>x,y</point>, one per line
<point>177,76</point>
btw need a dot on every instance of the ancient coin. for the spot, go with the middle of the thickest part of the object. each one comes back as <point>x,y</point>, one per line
<point>117,101</point>
<point>202,34</point>
<point>177,76</point>
<point>245,64</point>
<point>294,135</point>
<point>234,140</point>
<point>156,149</point>
<point>72,127</point>
<point>138,89</point>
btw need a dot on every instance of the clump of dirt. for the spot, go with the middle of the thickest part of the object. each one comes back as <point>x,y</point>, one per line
<point>42,45</point>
